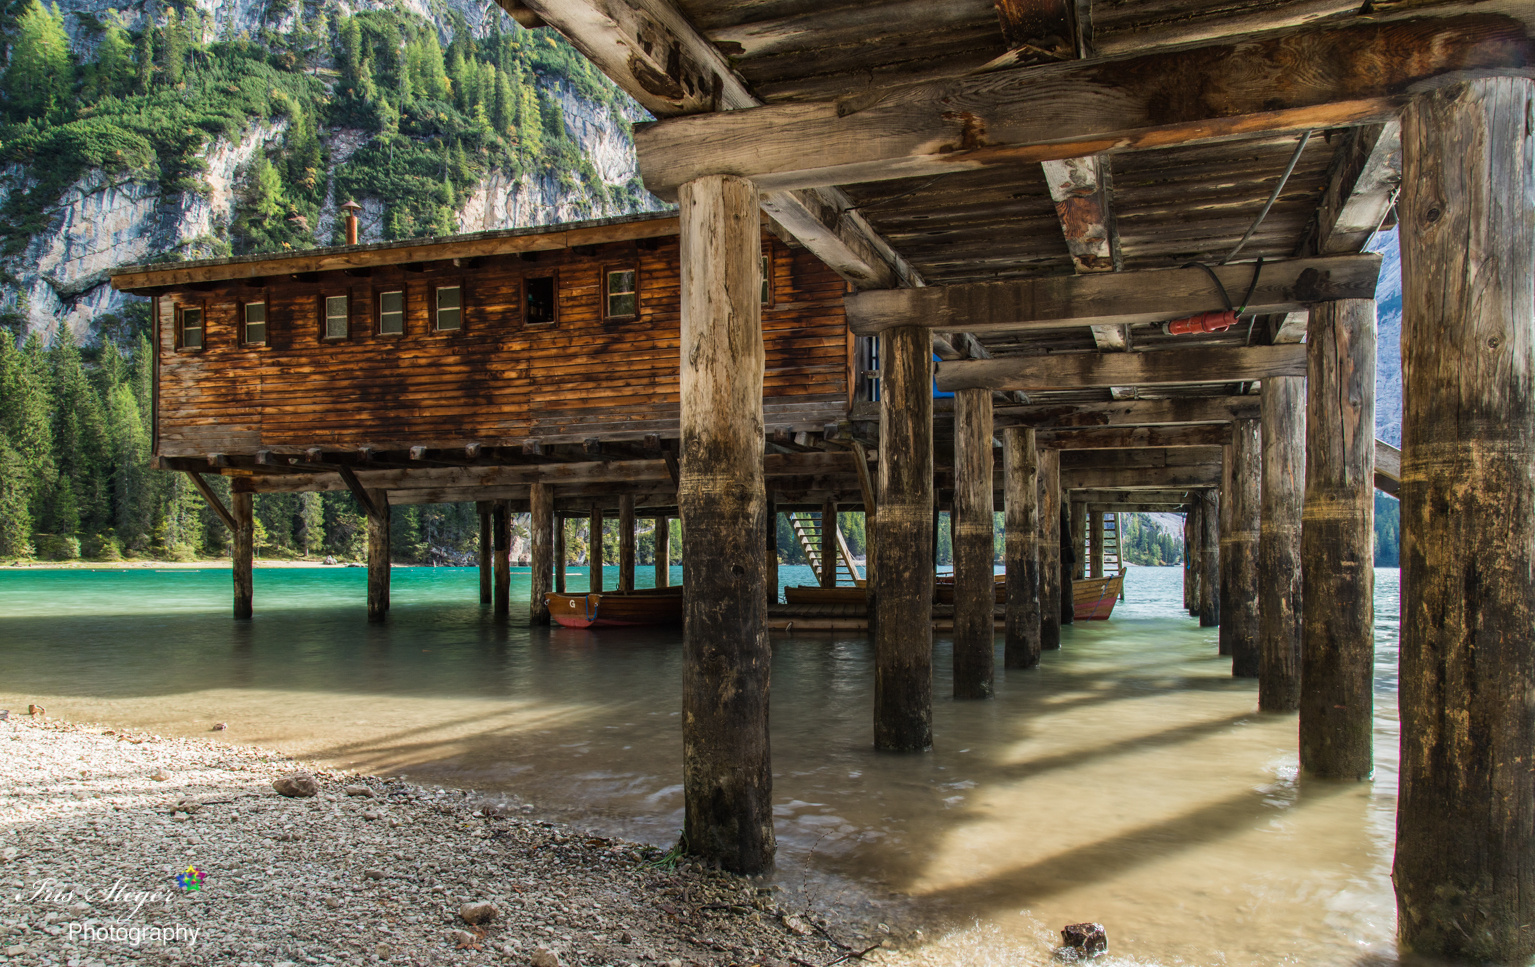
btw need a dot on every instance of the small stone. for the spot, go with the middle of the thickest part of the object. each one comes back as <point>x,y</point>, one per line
<point>9,853</point>
<point>527,807</point>
<point>219,726</point>
<point>358,789</point>
<point>674,962</point>
<point>626,937</point>
<point>329,559</point>
<point>796,925</point>
<point>383,951</point>
<point>15,950</point>
<point>544,957</point>
<point>1089,939</point>
<point>5,715</point>
<point>369,814</point>
<point>159,775</point>
<point>297,786</point>
<point>475,914</point>
<point>333,903</point>
<point>374,874</point>
<point>465,939</point>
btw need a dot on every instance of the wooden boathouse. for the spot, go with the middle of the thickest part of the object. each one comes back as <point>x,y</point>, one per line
<point>1134,234</point>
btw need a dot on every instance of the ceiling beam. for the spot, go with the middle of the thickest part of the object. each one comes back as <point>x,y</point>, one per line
<point>1067,371</point>
<point>1204,476</point>
<point>1173,412</point>
<point>1388,468</point>
<point>648,48</point>
<point>1149,458</point>
<point>1111,298</point>
<point>1369,66</point>
<point>1135,437</point>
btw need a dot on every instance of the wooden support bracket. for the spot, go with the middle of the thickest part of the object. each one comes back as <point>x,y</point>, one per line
<point>355,486</point>
<point>213,500</point>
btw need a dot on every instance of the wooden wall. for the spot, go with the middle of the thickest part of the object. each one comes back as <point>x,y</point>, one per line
<point>496,381</point>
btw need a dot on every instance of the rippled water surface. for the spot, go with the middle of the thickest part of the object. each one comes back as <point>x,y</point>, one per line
<point>1128,780</point>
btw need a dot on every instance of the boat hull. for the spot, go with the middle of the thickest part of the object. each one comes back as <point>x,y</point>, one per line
<point>614,609</point>
<point>1093,599</point>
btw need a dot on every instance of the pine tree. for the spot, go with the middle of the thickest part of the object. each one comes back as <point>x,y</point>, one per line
<point>351,58</point>
<point>144,61</point>
<point>15,514</point>
<point>173,48</point>
<point>504,113</point>
<point>112,72</point>
<point>41,73</point>
<point>79,441</point>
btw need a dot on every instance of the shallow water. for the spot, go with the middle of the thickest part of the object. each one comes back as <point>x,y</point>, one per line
<point>1127,780</point>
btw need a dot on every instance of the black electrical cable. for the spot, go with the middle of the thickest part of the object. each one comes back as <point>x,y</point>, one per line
<point>1289,168</point>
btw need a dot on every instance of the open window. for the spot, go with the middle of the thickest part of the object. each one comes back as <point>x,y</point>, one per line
<point>767,278</point>
<point>621,292</point>
<point>253,322</point>
<point>449,307</point>
<point>391,313</point>
<point>337,317</point>
<point>189,327</point>
<point>542,306</point>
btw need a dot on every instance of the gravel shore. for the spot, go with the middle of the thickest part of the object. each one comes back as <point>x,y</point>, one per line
<point>98,828</point>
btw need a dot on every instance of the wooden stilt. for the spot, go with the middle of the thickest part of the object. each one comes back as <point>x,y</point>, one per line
<point>974,547</point>
<point>1242,476</point>
<point>378,555</point>
<point>772,548</point>
<point>1077,538</point>
<point>1050,596</point>
<point>1188,548</point>
<point>501,524</point>
<point>1068,568</point>
<point>1209,559</point>
<point>903,571</point>
<point>663,543</point>
<point>1465,856</point>
<point>483,506</point>
<point>626,542</point>
<point>1279,574</point>
<point>559,554</point>
<point>1095,543</point>
<point>594,549</point>
<point>1020,467</point>
<point>541,553</point>
<point>727,772</point>
<point>242,508</point>
<point>829,544</point>
<point>1338,543</point>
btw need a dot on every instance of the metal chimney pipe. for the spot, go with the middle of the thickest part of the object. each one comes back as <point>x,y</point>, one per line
<point>351,208</point>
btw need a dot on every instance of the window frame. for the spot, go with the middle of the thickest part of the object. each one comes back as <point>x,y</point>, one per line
<point>266,322</point>
<point>553,275</point>
<point>324,313</point>
<point>611,269</point>
<point>767,291</point>
<point>438,286</point>
<point>202,340</point>
<point>378,311</point>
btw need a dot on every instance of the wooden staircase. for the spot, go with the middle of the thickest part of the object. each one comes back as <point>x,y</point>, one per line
<point>807,527</point>
<point>1113,560</point>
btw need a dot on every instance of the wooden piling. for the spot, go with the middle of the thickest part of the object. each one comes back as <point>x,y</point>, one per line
<point>1188,557</point>
<point>1076,537</point>
<point>1068,556</point>
<point>903,568</point>
<point>1241,479</point>
<point>594,549</point>
<point>483,507</point>
<point>242,508</point>
<point>1209,559</point>
<point>378,555</point>
<point>1095,543</point>
<point>771,551</point>
<point>1279,536</point>
<point>1020,535</point>
<point>974,547</point>
<point>663,543</point>
<point>501,525</point>
<point>1338,543</point>
<point>541,551</point>
<point>727,770</point>
<point>626,542</point>
<point>829,544</point>
<point>1051,598</point>
<point>559,554</point>
<point>1465,853</point>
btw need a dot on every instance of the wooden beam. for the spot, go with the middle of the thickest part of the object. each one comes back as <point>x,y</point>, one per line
<point>1219,90</point>
<point>1111,298</point>
<point>1148,457</point>
<point>213,500</point>
<point>1137,507</point>
<point>350,482</point>
<point>1388,468</point>
<point>1361,188</point>
<point>1126,413</point>
<point>1034,374</point>
<point>1038,31</point>
<point>1148,478</point>
<point>1128,438</point>
<point>1172,497</point>
<point>1080,188</point>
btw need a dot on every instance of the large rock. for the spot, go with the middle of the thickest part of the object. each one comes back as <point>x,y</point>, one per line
<point>1087,939</point>
<point>297,786</point>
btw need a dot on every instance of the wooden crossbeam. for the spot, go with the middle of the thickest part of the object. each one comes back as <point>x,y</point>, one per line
<point>1111,298</point>
<point>1388,468</point>
<point>213,500</point>
<point>1134,437</point>
<point>1036,374</point>
<point>1100,497</point>
<point>1358,70</point>
<point>1142,478</point>
<point>1142,412</point>
<point>1150,457</point>
<point>1137,507</point>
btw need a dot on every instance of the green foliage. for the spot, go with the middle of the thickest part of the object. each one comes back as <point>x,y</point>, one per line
<point>1388,531</point>
<point>1147,542</point>
<point>41,72</point>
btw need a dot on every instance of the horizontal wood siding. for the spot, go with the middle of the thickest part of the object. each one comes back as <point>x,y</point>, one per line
<point>496,380</point>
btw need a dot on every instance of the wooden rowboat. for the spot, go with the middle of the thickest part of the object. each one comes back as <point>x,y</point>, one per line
<point>607,609</point>
<point>1092,599</point>
<point>944,592</point>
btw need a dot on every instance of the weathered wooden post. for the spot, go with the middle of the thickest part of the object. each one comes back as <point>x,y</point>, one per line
<point>626,542</point>
<point>1242,475</point>
<point>829,544</point>
<point>1068,556</point>
<point>378,555</point>
<point>559,554</point>
<point>1465,848</point>
<point>1279,573</point>
<point>1020,535</point>
<point>501,524</point>
<point>1188,557</point>
<point>727,772</point>
<point>1338,543</point>
<point>1050,596</point>
<point>483,507</point>
<point>243,553</point>
<point>903,568</point>
<point>594,548</point>
<point>771,577</point>
<point>541,553</point>
<point>1209,559</point>
<point>1094,543</point>
<point>1076,538</point>
<point>974,547</point>
<point>663,543</point>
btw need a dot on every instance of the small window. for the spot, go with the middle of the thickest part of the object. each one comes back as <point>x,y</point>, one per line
<point>767,280</point>
<point>391,313</point>
<point>255,323</point>
<point>623,301</point>
<point>541,300</point>
<point>191,327</point>
<point>449,307</point>
<point>336,317</point>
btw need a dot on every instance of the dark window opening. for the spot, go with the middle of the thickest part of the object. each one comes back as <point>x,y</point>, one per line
<point>541,300</point>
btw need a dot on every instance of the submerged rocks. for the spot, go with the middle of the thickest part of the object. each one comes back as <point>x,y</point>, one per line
<point>1083,940</point>
<point>297,786</point>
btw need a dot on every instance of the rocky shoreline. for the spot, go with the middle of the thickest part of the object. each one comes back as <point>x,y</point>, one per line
<point>125,848</point>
